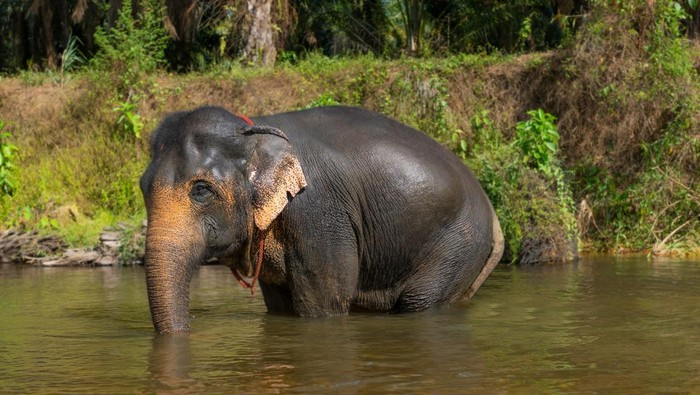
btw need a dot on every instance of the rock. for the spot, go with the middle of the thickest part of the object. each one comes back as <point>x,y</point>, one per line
<point>71,257</point>
<point>107,260</point>
<point>112,245</point>
<point>547,250</point>
<point>111,236</point>
<point>80,257</point>
<point>53,262</point>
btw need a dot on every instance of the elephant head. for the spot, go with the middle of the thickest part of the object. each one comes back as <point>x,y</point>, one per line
<point>215,182</point>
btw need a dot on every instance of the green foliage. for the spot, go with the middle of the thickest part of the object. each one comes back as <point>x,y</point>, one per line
<point>326,99</point>
<point>132,48</point>
<point>8,185</point>
<point>208,33</point>
<point>485,131</point>
<point>129,122</point>
<point>627,81</point>
<point>639,187</point>
<point>525,33</point>
<point>77,176</point>
<point>412,23</point>
<point>657,207</point>
<point>438,107</point>
<point>288,57</point>
<point>506,25</point>
<point>129,53</point>
<point>32,78</point>
<point>537,138</point>
<point>538,141</point>
<point>71,56</point>
<point>532,201</point>
<point>46,223</point>
<point>667,48</point>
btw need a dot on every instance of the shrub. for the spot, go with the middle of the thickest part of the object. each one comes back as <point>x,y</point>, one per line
<point>538,140</point>
<point>534,202</point>
<point>8,151</point>
<point>129,123</point>
<point>132,48</point>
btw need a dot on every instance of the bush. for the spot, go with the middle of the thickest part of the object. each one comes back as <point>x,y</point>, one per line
<point>534,202</point>
<point>8,151</point>
<point>538,140</point>
<point>632,113</point>
<point>132,48</point>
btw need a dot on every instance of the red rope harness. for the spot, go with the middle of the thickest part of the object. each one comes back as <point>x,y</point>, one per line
<point>258,265</point>
<point>245,119</point>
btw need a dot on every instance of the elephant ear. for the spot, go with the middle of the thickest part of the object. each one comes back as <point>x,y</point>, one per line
<point>274,173</point>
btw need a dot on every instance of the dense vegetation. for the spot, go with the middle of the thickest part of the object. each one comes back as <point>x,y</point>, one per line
<point>200,33</point>
<point>580,118</point>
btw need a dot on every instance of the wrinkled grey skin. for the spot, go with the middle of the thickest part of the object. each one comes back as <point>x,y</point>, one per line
<point>357,211</point>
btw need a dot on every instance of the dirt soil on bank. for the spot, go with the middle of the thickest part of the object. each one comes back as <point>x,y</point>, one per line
<point>508,90</point>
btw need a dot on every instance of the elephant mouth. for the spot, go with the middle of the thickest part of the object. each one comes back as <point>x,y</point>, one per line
<point>245,281</point>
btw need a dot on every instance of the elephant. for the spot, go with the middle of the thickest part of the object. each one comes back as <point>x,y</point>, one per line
<point>331,210</point>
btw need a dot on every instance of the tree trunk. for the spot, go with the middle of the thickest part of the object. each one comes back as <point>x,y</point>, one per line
<point>13,37</point>
<point>182,24</point>
<point>86,17</point>
<point>259,47</point>
<point>40,16</point>
<point>693,23</point>
<point>412,11</point>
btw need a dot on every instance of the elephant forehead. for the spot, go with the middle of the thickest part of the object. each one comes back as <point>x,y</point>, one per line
<point>196,161</point>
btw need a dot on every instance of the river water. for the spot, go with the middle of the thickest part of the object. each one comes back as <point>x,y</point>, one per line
<point>601,325</point>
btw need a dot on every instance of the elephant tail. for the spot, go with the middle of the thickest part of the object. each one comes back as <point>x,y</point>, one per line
<point>492,261</point>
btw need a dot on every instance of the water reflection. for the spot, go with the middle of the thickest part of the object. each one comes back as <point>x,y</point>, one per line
<point>170,363</point>
<point>358,353</point>
<point>606,325</point>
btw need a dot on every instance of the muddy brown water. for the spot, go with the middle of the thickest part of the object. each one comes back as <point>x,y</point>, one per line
<point>602,325</point>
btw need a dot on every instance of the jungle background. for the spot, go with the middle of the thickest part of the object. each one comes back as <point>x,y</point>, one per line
<point>579,118</point>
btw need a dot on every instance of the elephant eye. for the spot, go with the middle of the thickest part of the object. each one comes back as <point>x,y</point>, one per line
<point>201,192</point>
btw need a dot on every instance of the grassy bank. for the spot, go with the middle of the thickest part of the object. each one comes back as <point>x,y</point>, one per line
<point>610,163</point>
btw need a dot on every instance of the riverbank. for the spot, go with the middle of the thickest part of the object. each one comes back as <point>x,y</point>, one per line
<point>115,248</point>
<point>620,176</point>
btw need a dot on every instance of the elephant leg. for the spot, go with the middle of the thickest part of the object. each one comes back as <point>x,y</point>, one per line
<point>325,287</point>
<point>446,269</point>
<point>278,298</point>
<point>322,263</point>
<point>323,277</point>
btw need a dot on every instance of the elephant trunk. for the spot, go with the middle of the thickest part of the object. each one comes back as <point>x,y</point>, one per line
<point>170,262</point>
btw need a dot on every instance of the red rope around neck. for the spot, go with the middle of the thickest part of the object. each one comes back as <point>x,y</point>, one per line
<point>258,265</point>
<point>245,284</point>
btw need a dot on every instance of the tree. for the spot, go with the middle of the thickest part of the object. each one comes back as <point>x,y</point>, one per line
<point>182,22</point>
<point>257,33</point>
